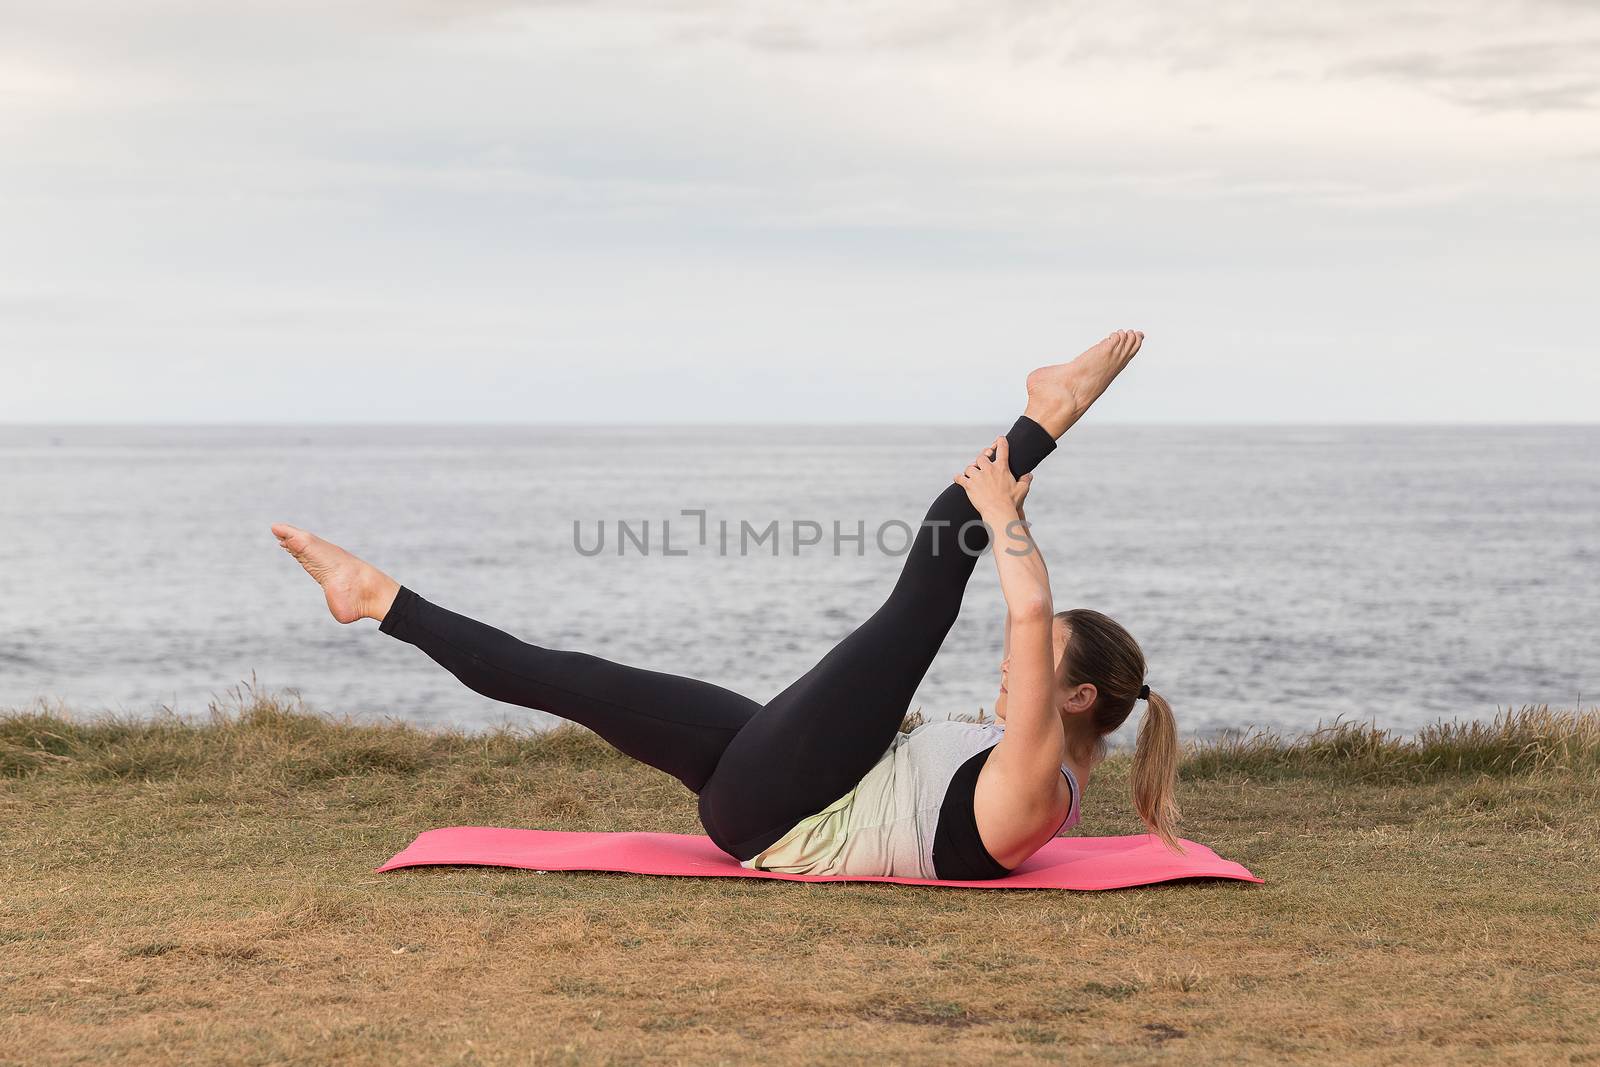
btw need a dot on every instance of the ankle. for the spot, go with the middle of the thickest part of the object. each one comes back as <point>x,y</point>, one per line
<point>379,595</point>
<point>1054,419</point>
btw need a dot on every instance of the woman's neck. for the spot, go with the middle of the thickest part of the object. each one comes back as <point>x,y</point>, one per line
<point>1083,745</point>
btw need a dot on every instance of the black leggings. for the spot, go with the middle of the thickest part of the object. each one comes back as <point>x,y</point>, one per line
<point>758,769</point>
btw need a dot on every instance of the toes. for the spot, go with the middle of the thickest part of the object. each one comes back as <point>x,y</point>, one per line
<point>288,535</point>
<point>294,540</point>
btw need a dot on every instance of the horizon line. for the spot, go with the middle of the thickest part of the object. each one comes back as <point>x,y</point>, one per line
<point>772,423</point>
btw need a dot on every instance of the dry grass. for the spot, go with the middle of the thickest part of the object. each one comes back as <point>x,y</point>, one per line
<point>204,891</point>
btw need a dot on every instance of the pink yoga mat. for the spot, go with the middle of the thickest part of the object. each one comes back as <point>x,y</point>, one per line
<point>1064,863</point>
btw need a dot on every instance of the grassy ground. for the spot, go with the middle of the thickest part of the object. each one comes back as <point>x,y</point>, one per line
<point>204,891</point>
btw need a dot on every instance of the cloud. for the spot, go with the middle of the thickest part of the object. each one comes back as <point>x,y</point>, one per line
<point>1526,76</point>
<point>197,185</point>
<point>1458,50</point>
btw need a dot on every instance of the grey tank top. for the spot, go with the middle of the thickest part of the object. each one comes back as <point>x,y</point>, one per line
<point>885,825</point>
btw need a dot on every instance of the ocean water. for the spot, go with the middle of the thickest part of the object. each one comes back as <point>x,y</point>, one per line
<point>1276,577</point>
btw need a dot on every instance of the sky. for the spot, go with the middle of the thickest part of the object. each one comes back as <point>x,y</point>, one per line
<point>476,210</point>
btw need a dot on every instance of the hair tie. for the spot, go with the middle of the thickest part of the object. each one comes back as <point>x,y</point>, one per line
<point>1144,692</point>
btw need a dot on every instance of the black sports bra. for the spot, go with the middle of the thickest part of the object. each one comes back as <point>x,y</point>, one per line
<point>958,852</point>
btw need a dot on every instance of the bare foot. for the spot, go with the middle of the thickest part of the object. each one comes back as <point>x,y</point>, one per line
<point>1058,395</point>
<point>355,588</point>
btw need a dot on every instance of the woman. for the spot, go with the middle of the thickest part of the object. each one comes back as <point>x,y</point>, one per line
<point>820,780</point>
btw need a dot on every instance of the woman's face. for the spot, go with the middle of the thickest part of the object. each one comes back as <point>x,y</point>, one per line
<point>1060,635</point>
<point>1000,698</point>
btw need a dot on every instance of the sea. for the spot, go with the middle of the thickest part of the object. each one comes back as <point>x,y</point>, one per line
<point>1278,577</point>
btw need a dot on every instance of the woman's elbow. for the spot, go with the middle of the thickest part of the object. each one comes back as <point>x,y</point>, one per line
<point>1035,608</point>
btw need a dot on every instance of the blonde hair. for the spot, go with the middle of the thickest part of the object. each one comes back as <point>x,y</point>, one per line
<point>1101,653</point>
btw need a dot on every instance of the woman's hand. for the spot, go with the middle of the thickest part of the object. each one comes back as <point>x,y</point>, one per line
<point>1020,493</point>
<point>989,484</point>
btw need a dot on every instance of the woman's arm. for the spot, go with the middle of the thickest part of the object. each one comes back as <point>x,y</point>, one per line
<point>1018,495</point>
<point>1021,788</point>
<point>1035,742</point>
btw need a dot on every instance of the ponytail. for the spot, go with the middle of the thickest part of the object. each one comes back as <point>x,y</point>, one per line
<point>1155,771</point>
<point>1099,652</point>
